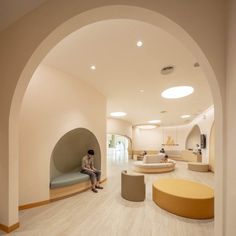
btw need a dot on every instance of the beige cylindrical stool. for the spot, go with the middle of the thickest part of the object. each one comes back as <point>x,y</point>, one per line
<point>198,166</point>
<point>184,198</point>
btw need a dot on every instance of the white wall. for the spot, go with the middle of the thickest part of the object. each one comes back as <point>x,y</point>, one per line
<point>54,104</point>
<point>118,126</point>
<point>152,139</point>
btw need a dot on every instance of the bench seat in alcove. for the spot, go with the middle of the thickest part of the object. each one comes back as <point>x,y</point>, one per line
<point>68,179</point>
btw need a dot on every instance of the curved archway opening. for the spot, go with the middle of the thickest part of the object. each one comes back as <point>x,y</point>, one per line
<point>193,138</point>
<point>101,14</point>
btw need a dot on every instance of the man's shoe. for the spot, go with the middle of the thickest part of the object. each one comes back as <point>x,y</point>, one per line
<point>99,187</point>
<point>94,190</point>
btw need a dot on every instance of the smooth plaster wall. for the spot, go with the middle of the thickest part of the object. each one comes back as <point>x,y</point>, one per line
<point>230,142</point>
<point>20,40</point>
<point>54,104</point>
<point>152,139</point>
<point>118,126</point>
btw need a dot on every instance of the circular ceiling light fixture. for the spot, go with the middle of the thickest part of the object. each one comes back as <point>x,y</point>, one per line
<point>185,116</point>
<point>154,121</point>
<point>167,69</point>
<point>139,43</point>
<point>118,114</point>
<point>93,67</point>
<point>141,91</point>
<point>146,126</point>
<point>177,92</point>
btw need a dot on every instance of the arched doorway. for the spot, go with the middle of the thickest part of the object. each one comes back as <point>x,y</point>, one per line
<point>193,138</point>
<point>105,13</point>
<point>119,147</point>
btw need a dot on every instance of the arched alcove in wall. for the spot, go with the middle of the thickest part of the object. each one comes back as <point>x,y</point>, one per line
<point>70,149</point>
<point>50,38</point>
<point>112,141</point>
<point>193,138</point>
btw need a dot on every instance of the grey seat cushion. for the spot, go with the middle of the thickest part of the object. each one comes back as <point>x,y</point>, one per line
<point>68,179</point>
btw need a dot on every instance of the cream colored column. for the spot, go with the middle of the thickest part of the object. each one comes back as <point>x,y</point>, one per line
<point>230,158</point>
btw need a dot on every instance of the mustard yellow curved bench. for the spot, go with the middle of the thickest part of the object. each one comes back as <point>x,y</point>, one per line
<point>184,198</point>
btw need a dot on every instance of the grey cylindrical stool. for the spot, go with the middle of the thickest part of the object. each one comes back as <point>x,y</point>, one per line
<point>132,187</point>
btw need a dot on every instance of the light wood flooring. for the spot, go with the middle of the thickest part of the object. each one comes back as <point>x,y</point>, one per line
<point>107,214</point>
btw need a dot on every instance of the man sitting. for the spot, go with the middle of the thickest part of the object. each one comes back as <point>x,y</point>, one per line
<point>89,169</point>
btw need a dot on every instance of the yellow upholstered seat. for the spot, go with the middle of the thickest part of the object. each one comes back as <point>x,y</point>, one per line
<point>185,198</point>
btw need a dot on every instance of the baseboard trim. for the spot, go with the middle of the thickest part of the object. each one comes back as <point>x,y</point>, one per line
<point>37,204</point>
<point>9,229</point>
<point>32,205</point>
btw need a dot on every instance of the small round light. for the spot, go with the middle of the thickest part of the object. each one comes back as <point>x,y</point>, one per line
<point>93,67</point>
<point>185,116</point>
<point>154,121</point>
<point>177,92</point>
<point>141,91</point>
<point>118,114</point>
<point>139,44</point>
<point>146,126</point>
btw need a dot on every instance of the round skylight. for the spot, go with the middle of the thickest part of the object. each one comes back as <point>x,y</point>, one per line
<point>146,126</point>
<point>177,92</point>
<point>139,43</point>
<point>93,67</point>
<point>118,114</point>
<point>185,116</point>
<point>154,121</point>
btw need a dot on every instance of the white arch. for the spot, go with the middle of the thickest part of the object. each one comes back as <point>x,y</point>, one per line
<point>117,12</point>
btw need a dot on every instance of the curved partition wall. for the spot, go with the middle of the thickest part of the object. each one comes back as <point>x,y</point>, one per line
<point>70,149</point>
<point>193,138</point>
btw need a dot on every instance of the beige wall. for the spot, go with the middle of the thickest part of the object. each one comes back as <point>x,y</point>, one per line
<point>152,139</point>
<point>54,104</point>
<point>118,126</point>
<point>19,42</point>
<point>230,142</point>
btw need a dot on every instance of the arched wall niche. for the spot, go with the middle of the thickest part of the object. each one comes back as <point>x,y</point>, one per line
<point>193,138</point>
<point>45,39</point>
<point>70,149</point>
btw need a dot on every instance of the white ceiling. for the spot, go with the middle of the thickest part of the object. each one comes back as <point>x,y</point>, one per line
<point>12,10</point>
<point>123,69</point>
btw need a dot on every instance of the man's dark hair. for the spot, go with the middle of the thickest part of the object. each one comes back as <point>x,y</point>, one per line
<point>91,152</point>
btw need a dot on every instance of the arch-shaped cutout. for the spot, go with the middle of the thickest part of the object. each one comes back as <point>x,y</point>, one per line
<point>70,149</point>
<point>47,41</point>
<point>193,138</point>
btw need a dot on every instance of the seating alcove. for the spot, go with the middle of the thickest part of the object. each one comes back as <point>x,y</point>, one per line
<point>66,160</point>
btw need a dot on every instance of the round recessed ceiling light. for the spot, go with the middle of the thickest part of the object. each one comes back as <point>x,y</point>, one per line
<point>154,121</point>
<point>93,67</point>
<point>167,70</point>
<point>118,114</point>
<point>139,44</point>
<point>146,126</point>
<point>177,92</point>
<point>141,91</point>
<point>185,116</point>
